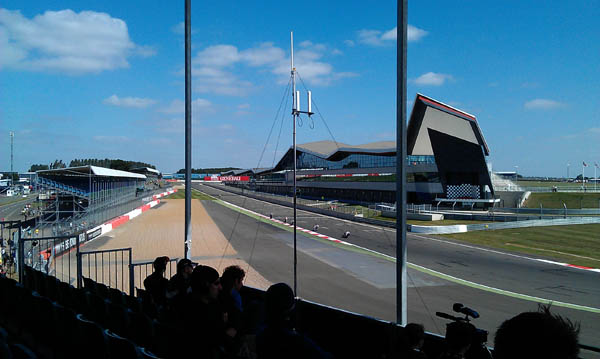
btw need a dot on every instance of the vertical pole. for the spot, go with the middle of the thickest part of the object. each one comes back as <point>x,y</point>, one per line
<point>295,104</point>
<point>188,130</point>
<point>79,263</point>
<point>12,136</point>
<point>401,162</point>
<point>131,276</point>
<point>20,254</point>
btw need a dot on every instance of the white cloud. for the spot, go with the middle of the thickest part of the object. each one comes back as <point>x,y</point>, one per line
<point>65,41</point>
<point>145,51</point>
<point>380,38</point>
<point>413,33</point>
<point>243,106</point>
<point>178,106</point>
<point>217,56</point>
<point>336,52</point>
<point>264,54</point>
<point>349,43</point>
<point>136,102</point>
<point>213,66</point>
<point>432,79</point>
<point>543,104</point>
<point>595,130</point>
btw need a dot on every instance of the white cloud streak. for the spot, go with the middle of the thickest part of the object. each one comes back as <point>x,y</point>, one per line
<point>432,79</point>
<point>213,66</point>
<point>383,38</point>
<point>135,102</point>
<point>66,41</point>
<point>543,104</point>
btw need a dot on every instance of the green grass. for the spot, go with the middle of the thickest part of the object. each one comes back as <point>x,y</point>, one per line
<point>556,200</point>
<point>444,222</point>
<point>195,195</point>
<point>547,184</point>
<point>576,244</point>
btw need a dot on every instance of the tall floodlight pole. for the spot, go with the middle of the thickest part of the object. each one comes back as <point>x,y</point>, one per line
<point>12,136</point>
<point>568,165</point>
<point>401,35</point>
<point>188,130</point>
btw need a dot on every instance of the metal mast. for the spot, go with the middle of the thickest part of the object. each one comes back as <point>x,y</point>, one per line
<point>295,112</point>
<point>12,136</point>
<point>188,130</point>
<point>401,162</point>
<point>294,115</point>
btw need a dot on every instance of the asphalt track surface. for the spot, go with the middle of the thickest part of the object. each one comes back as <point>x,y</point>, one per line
<point>365,283</point>
<point>12,211</point>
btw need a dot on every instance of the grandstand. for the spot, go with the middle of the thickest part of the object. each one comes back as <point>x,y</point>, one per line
<point>81,195</point>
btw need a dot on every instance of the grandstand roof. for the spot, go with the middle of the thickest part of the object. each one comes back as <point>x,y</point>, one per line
<point>428,113</point>
<point>328,149</point>
<point>146,169</point>
<point>90,171</point>
<point>336,151</point>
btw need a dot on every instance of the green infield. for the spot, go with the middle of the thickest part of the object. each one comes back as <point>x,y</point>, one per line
<point>195,195</point>
<point>556,199</point>
<point>546,184</point>
<point>444,222</point>
<point>576,244</point>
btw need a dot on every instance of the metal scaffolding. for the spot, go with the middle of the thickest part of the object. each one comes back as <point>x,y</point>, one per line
<point>71,199</point>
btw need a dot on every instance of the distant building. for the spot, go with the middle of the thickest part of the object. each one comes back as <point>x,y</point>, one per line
<point>446,162</point>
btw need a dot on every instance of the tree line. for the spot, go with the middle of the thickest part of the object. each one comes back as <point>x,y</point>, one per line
<point>116,164</point>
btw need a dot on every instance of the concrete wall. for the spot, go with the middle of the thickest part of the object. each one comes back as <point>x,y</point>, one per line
<point>509,198</point>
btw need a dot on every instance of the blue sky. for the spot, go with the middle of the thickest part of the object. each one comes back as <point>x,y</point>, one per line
<point>104,79</point>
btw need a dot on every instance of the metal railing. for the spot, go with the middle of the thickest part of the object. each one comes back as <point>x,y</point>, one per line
<point>10,234</point>
<point>105,265</point>
<point>51,255</point>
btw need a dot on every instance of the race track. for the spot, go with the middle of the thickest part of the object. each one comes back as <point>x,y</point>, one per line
<point>499,285</point>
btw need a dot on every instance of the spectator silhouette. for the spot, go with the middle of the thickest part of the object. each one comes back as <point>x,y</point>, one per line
<point>204,319</point>
<point>180,283</point>
<point>156,283</point>
<point>414,337</point>
<point>459,336</point>
<point>231,302</point>
<point>279,339</point>
<point>537,335</point>
<point>232,282</point>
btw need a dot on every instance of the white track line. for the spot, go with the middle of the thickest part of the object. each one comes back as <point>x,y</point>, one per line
<point>425,269</point>
<point>597,270</point>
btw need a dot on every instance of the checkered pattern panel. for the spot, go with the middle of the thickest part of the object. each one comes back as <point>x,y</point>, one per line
<point>463,191</point>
